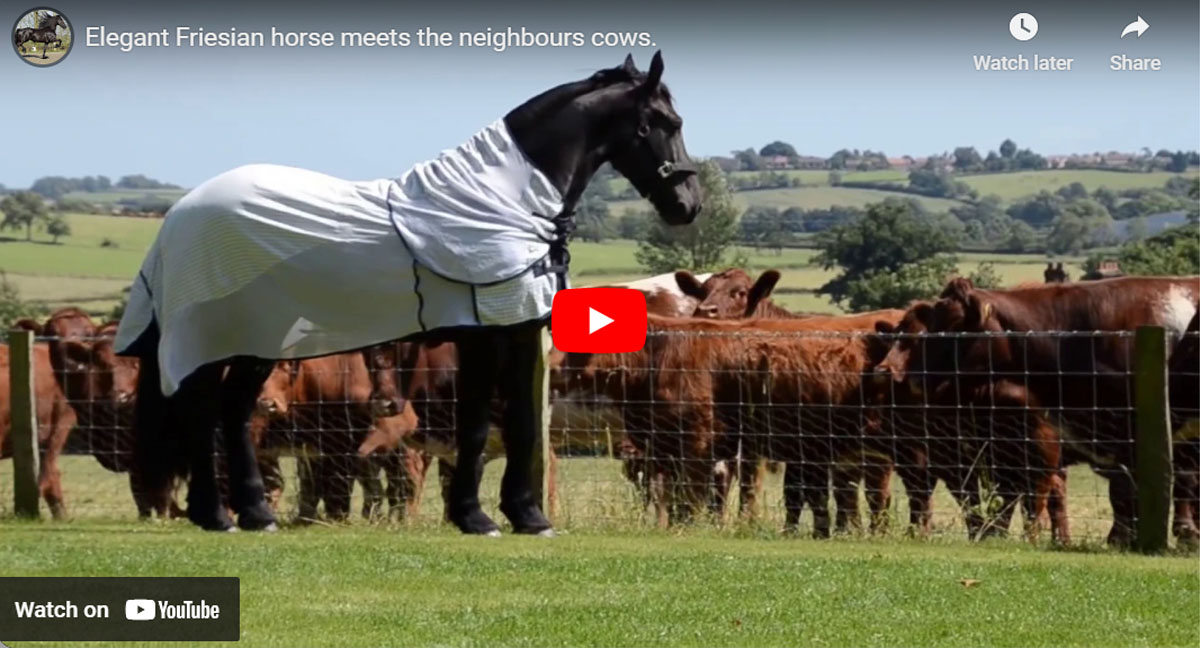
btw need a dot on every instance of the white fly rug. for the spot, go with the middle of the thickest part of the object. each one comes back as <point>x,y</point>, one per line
<point>278,262</point>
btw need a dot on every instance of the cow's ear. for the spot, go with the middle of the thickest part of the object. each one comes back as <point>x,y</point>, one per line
<point>27,325</point>
<point>959,289</point>
<point>761,290</point>
<point>981,314</point>
<point>689,284</point>
<point>923,312</point>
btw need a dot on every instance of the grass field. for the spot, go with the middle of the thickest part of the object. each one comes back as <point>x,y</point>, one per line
<point>374,586</point>
<point>1011,186</point>
<point>116,195</point>
<point>613,579</point>
<point>806,198</point>
<point>80,272</point>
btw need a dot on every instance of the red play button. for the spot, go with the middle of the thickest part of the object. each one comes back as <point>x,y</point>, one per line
<point>599,320</point>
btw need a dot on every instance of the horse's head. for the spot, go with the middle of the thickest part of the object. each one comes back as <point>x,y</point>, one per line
<point>645,144</point>
<point>57,21</point>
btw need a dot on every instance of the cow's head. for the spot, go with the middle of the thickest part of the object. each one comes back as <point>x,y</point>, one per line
<point>387,434</point>
<point>383,364</point>
<point>905,356</point>
<point>728,294</point>
<point>115,376</point>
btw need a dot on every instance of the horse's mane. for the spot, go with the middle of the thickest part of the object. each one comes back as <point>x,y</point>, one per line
<point>556,97</point>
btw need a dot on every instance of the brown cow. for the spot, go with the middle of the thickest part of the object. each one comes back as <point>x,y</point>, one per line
<point>423,375</point>
<point>1073,374</point>
<point>789,390</point>
<point>731,294</point>
<point>1184,376</point>
<point>55,418</point>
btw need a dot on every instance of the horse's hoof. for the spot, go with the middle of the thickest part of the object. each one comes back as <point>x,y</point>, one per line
<point>232,529</point>
<point>494,533</point>
<point>546,533</point>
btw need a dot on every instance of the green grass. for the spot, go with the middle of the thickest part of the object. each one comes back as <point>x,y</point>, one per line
<point>806,198</point>
<point>377,586</point>
<point>112,197</point>
<point>1012,186</point>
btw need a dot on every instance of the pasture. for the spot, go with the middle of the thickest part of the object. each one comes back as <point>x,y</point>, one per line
<point>1012,186</point>
<point>79,271</point>
<point>368,586</point>
<point>617,581</point>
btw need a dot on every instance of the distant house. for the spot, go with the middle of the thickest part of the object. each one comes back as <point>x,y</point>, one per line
<point>903,163</point>
<point>776,162</point>
<point>810,162</point>
<point>1117,159</point>
<point>1107,269</point>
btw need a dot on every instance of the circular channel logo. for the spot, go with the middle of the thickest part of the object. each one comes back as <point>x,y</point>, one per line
<point>42,37</point>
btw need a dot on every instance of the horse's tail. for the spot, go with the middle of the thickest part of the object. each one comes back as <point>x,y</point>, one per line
<point>155,454</point>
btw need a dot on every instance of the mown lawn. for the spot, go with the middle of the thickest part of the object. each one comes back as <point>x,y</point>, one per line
<point>380,586</point>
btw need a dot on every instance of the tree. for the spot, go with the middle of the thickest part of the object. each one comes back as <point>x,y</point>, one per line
<point>966,158</point>
<point>703,245</point>
<point>778,148</point>
<point>592,222</point>
<point>1082,224</point>
<point>931,183</point>
<point>890,255</point>
<point>1173,252</point>
<point>1178,163</point>
<point>1008,149</point>
<point>23,209</point>
<point>1072,191</point>
<point>1020,237</point>
<point>58,226</point>
<point>12,307</point>
<point>748,160</point>
<point>1039,210</point>
<point>631,224</point>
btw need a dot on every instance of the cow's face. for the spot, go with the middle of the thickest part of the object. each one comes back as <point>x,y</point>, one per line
<point>275,397</point>
<point>383,362</point>
<point>905,355</point>
<point>729,294</point>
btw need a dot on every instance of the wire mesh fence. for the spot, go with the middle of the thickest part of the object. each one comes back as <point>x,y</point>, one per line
<point>1026,435</point>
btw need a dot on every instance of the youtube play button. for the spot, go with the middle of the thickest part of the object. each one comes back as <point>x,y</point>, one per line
<point>599,320</point>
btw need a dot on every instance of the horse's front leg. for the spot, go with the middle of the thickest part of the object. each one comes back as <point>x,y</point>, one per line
<point>520,431</point>
<point>196,408</point>
<point>239,397</point>
<point>476,382</point>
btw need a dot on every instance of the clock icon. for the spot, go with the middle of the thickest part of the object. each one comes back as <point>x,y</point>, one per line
<point>1023,26</point>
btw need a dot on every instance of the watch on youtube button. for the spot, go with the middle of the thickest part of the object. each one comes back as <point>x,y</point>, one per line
<point>598,320</point>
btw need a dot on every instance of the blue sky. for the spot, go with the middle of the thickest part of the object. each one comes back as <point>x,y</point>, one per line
<point>878,76</point>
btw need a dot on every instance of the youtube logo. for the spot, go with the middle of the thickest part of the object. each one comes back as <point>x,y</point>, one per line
<point>598,320</point>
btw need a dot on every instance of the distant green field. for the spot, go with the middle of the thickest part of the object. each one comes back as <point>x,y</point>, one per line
<point>112,197</point>
<point>1011,186</point>
<point>81,273</point>
<point>807,198</point>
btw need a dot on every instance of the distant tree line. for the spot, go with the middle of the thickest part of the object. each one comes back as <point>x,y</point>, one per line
<point>55,187</point>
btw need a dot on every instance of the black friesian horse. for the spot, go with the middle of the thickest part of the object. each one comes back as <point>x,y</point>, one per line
<point>45,33</point>
<point>618,115</point>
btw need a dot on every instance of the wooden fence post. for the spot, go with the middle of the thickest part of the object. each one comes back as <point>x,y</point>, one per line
<point>541,404</point>
<point>1152,441</point>
<point>24,423</point>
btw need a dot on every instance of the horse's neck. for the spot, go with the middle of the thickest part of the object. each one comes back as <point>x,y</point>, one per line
<point>548,129</point>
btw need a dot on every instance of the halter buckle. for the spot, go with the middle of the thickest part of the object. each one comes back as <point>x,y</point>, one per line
<point>666,169</point>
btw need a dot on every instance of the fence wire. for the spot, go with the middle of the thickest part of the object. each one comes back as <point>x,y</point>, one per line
<point>811,433</point>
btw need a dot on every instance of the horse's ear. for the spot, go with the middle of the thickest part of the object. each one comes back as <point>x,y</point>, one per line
<point>655,75</point>
<point>629,66</point>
